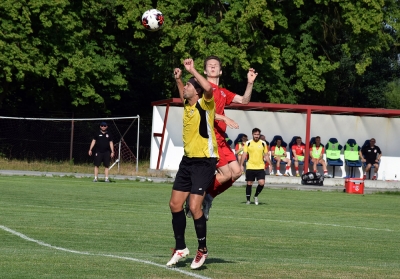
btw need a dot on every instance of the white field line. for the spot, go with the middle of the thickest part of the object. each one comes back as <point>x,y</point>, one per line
<point>308,223</point>
<point>101,255</point>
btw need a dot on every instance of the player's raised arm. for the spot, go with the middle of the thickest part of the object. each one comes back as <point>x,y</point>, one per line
<point>245,99</point>
<point>189,66</point>
<point>179,83</point>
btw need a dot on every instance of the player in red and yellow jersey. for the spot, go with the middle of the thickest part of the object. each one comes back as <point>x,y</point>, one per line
<point>299,151</point>
<point>228,169</point>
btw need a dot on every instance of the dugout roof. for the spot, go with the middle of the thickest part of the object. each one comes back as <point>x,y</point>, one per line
<point>308,109</point>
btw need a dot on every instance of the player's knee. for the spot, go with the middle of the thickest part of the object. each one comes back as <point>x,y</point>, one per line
<point>175,206</point>
<point>196,210</point>
<point>236,175</point>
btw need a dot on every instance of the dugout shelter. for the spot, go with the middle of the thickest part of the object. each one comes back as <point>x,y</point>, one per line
<point>286,120</point>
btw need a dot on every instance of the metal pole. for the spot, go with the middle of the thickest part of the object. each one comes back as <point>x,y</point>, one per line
<point>119,154</point>
<point>308,128</point>
<point>137,146</point>
<point>71,146</point>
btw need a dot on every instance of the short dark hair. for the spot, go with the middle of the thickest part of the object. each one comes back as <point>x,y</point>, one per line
<point>212,57</point>
<point>196,86</point>
<point>255,130</point>
<point>298,138</point>
<point>317,137</point>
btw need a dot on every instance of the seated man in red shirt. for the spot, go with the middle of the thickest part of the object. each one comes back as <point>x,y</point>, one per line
<point>317,156</point>
<point>279,154</point>
<point>298,150</point>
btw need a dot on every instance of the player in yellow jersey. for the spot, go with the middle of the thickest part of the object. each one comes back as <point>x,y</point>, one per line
<point>258,154</point>
<point>198,165</point>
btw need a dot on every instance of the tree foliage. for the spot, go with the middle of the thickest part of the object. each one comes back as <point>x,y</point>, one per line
<point>94,55</point>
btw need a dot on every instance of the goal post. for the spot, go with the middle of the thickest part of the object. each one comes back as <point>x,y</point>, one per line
<point>62,139</point>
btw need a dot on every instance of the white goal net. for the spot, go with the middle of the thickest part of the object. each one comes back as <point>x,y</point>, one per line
<point>56,140</point>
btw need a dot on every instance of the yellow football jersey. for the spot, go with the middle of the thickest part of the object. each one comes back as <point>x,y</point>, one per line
<point>198,129</point>
<point>256,151</point>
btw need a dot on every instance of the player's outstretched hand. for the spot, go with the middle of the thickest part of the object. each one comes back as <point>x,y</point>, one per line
<point>251,75</point>
<point>189,65</point>
<point>231,124</point>
<point>177,73</point>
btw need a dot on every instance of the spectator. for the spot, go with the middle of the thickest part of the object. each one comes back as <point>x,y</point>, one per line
<point>239,145</point>
<point>298,150</point>
<point>371,155</point>
<point>279,154</point>
<point>316,155</point>
<point>228,140</point>
<point>258,153</point>
<point>104,146</point>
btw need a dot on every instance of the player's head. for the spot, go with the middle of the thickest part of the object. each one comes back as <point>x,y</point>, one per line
<point>318,140</point>
<point>278,142</point>
<point>256,134</point>
<point>244,138</point>
<point>192,88</point>
<point>103,125</point>
<point>298,140</point>
<point>372,141</point>
<point>212,66</point>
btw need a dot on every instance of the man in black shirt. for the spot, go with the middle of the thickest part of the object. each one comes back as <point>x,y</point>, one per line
<point>103,142</point>
<point>371,155</point>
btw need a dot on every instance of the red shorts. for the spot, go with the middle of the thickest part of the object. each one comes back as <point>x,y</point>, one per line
<point>226,154</point>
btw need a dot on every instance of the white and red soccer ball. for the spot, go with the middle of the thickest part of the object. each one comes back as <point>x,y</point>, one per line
<point>152,20</point>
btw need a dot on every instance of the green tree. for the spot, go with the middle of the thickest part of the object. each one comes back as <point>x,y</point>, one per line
<point>56,53</point>
<point>393,95</point>
<point>294,45</point>
<point>94,56</point>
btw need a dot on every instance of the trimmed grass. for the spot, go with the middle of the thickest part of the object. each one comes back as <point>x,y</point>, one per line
<point>291,234</point>
<point>68,167</point>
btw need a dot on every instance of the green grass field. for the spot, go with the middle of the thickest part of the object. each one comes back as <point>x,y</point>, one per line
<point>73,228</point>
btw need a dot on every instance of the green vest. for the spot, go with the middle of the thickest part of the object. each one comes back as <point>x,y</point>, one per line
<point>316,153</point>
<point>279,151</point>
<point>333,152</point>
<point>351,152</point>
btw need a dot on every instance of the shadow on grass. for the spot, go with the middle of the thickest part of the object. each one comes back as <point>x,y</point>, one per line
<point>252,203</point>
<point>187,261</point>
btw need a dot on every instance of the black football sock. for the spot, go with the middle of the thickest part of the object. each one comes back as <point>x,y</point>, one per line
<point>200,225</point>
<point>248,192</point>
<point>258,190</point>
<point>179,227</point>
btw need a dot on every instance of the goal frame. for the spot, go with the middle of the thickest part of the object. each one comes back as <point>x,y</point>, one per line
<point>73,120</point>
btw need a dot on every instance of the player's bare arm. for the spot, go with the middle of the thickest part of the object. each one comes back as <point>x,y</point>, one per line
<point>267,159</point>
<point>245,99</point>
<point>112,149</point>
<point>189,66</point>
<point>91,147</point>
<point>229,122</point>
<point>179,83</point>
<point>244,156</point>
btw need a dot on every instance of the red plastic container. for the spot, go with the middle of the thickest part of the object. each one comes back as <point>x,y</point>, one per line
<point>354,185</point>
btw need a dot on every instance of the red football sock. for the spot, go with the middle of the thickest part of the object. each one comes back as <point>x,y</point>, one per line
<point>217,190</point>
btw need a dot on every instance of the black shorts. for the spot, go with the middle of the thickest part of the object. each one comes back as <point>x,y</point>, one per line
<point>252,175</point>
<point>195,175</point>
<point>372,162</point>
<point>104,158</point>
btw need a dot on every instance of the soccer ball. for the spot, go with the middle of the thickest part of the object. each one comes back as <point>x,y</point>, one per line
<point>152,20</point>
